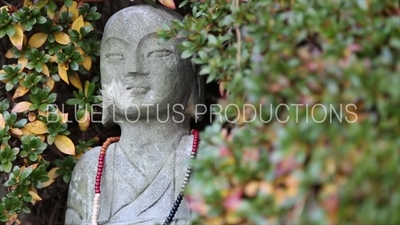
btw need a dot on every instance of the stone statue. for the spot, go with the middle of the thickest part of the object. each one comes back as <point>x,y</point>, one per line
<point>144,171</point>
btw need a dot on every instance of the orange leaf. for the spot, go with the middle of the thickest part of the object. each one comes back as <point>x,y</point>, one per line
<point>50,83</point>
<point>64,144</point>
<point>77,24</point>
<point>64,117</point>
<point>21,107</point>
<point>31,116</point>
<point>9,54</point>
<point>35,196</point>
<point>23,61</point>
<point>20,91</point>
<point>18,39</point>
<point>42,139</point>
<point>45,70</point>
<point>52,173</point>
<point>47,183</point>
<point>75,81</point>
<point>52,58</point>
<point>62,38</point>
<point>37,40</point>
<point>84,122</point>
<point>87,62</point>
<point>2,122</point>
<point>16,131</point>
<point>168,3</point>
<point>63,73</point>
<point>36,127</point>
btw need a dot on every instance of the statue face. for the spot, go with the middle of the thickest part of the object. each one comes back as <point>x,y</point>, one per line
<point>153,73</point>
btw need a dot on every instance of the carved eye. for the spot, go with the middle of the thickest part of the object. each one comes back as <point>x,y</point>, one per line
<point>160,53</point>
<point>114,56</point>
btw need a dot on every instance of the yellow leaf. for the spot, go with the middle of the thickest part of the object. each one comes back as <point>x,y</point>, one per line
<point>36,127</point>
<point>42,139</point>
<point>27,3</point>
<point>87,62</point>
<point>21,107</point>
<point>40,4</point>
<point>20,91</point>
<point>35,196</point>
<point>64,117</point>
<point>2,122</point>
<point>63,73</point>
<point>52,173</point>
<point>41,113</point>
<point>87,84</point>
<point>45,70</point>
<point>47,183</point>
<point>50,83</point>
<point>78,49</point>
<point>77,24</point>
<point>23,61</point>
<point>75,81</point>
<point>37,40</point>
<point>16,131</point>
<point>50,13</point>
<point>9,54</point>
<point>18,39</point>
<point>168,3</point>
<point>25,132</point>
<point>62,38</point>
<point>74,10</point>
<point>52,58</point>
<point>64,144</point>
<point>84,122</point>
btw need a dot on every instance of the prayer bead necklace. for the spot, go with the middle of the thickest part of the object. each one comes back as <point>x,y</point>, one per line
<point>100,166</point>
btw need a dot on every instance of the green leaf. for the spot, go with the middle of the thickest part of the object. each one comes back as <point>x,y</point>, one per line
<point>68,3</point>
<point>20,123</point>
<point>7,166</point>
<point>9,86</point>
<point>52,98</point>
<point>41,20</point>
<point>74,66</point>
<point>26,172</point>
<point>187,53</point>
<point>74,101</point>
<point>10,30</point>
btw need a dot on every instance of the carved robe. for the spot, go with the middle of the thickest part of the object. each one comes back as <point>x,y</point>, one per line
<point>128,196</point>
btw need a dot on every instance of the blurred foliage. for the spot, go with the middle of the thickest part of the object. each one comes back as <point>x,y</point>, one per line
<point>53,46</point>
<point>321,143</point>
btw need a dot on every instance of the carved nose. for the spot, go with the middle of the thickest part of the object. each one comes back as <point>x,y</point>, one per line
<point>135,69</point>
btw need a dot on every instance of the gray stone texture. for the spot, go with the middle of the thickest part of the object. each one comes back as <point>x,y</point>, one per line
<point>144,171</point>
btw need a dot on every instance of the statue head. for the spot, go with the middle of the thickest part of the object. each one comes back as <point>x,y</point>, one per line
<point>154,74</point>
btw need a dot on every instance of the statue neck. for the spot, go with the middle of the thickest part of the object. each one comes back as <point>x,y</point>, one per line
<point>148,137</point>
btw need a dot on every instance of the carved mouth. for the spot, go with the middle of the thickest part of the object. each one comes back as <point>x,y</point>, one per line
<point>138,89</point>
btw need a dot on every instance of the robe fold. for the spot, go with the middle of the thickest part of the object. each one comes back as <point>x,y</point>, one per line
<point>128,195</point>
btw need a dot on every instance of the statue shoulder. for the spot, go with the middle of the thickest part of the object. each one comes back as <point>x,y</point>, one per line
<point>86,166</point>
